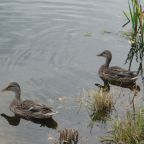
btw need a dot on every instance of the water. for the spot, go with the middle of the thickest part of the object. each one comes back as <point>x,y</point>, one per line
<point>49,47</point>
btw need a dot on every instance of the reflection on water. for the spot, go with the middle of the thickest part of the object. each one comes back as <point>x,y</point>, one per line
<point>15,120</point>
<point>12,120</point>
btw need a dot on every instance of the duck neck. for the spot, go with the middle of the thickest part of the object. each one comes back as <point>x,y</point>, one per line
<point>17,95</point>
<point>107,62</point>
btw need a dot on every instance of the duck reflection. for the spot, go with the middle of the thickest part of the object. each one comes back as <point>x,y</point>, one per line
<point>15,120</point>
<point>12,120</point>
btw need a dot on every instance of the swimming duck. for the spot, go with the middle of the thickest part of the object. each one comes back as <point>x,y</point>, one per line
<point>27,109</point>
<point>116,75</point>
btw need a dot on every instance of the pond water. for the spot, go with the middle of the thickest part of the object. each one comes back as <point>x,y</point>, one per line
<point>49,47</point>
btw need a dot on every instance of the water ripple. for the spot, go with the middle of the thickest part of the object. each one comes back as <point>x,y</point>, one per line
<point>35,22</point>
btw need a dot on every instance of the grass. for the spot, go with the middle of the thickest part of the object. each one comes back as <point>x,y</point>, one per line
<point>100,105</point>
<point>127,131</point>
<point>136,17</point>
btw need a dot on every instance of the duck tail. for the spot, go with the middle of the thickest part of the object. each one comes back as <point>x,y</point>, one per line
<point>51,113</point>
<point>134,78</point>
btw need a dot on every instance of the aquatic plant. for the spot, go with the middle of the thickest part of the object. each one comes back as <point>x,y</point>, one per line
<point>100,105</point>
<point>68,136</point>
<point>127,131</point>
<point>137,35</point>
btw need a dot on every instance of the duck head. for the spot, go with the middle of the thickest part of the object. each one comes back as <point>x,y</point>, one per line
<point>12,87</point>
<point>106,54</point>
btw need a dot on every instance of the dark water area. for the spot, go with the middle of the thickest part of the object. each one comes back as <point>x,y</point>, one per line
<point>49,47</point>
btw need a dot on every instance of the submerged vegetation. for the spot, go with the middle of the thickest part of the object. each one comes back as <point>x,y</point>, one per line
<point>127,131</point>
<point>136,17</point>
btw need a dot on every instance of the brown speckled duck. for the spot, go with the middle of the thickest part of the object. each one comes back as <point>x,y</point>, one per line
<point>116,75</point>
<point>27,109</point>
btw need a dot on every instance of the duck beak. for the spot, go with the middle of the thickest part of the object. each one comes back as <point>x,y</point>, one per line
<point>99,54</point>
<point>5,89</point>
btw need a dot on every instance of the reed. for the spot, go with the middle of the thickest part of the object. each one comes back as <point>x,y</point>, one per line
<point>127,131</point>
<point>136,17</point>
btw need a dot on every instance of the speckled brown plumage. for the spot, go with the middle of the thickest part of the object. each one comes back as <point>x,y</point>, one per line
<point>27,109</point>
<point>116,75</point>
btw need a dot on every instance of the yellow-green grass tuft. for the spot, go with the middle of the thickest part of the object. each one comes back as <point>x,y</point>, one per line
<point>129,130</point>
<point>100,105</point>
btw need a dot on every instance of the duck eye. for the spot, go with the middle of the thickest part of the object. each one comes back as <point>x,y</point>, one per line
<point>9,87</point>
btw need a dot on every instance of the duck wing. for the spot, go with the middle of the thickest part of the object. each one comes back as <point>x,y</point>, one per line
<point>116,71</point>
<point>33,106</point>
<point>31,109</point>
<point>118,76</point>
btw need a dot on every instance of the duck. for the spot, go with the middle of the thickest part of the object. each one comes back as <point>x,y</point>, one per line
<point>27,109</point>
<point>116,75</point>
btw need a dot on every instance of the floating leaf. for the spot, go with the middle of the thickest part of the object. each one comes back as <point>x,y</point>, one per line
<point>88,34</point>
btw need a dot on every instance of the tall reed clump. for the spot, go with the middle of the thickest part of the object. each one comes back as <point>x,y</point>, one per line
<point>137,35</point>
<point>127,131</point>
<point>100,105</point>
